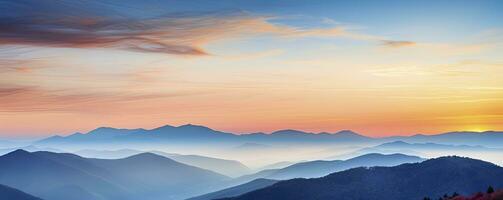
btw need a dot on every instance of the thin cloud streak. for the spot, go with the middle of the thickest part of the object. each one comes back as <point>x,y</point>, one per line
<point>35,99</point>
<point>169,33</point>
<point>397,44</point>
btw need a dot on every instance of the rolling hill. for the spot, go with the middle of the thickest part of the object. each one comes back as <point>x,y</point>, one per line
<point>226,167</point>
<point>320,168</point>
<point>62,176</point>
<point>432,178</point>
<point>236,190</point>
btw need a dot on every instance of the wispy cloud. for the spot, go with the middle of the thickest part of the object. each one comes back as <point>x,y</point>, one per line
<point>418,71</point>
<point>74,25</point>
<point>15,98</point>
<point>462,68</point>
<point>397,44</point>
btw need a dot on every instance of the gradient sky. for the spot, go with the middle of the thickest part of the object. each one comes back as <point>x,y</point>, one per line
<point>376,67</point>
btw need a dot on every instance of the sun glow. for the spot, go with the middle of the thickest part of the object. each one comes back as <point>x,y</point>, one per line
<point>477,128</point>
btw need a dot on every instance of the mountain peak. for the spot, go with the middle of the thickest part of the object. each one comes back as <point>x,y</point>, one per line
<point>288,132</point>
<point>103,128</point>
<point>455,160</point>
<point>395,143</point>
<point>145,155</point>
<point>349,134</point>
<point>19,153</point>
<point>192,126</point>
<point>381,156</point>
<point>112,131</point>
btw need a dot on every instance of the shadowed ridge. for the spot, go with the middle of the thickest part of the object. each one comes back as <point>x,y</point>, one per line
<point>19,154</point>
<point>434,177</point>
<point>148,156</point>
<point>195,127</point>
<point>289,132</point>
<point>8,193</point>
<point>237,190</point>
<point>348,133</point>
<point>113,131</point>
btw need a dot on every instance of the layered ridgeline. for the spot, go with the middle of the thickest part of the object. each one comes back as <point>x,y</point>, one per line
<point>237,190</point>
<point>188,134</point>
<point>60,176</point>
<point>320,168</point>
<point>427,150</point>
<point>9,193</point>
<point>226,167</point>
<point>306,170</point>
<point>431,178</point>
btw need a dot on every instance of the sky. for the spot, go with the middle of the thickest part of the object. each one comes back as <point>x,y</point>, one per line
<point>379,68</point>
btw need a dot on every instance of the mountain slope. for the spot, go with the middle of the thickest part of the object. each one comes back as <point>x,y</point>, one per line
<point>160,176</point>
<point>29,148</point>
<point>487,138</point>
<point>432,178</point>
<point>42,177</point>
<point>230,168</point>
<point>320,168</point>
<point>429,150</point>
<point>237,190</point>
<point>62,176</point>
<point>9,193</point>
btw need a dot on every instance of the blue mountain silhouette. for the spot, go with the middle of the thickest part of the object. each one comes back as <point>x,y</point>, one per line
<point>63,176</point>
<point>432,178</point>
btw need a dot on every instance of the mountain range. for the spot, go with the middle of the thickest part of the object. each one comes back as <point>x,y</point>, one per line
<point>313,169</point>
<point>200,134</point>
<point>148,176</point>
<point>226,167</point>
<point>63,176</point>
<point>194,133</point>
<point>320,168</point>
<point>429,150</point>
<point>430,178</point>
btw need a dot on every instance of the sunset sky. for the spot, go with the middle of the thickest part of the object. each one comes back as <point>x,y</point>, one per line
<point>376,67</point>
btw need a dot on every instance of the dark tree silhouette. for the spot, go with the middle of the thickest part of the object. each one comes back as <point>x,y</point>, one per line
<point>490,190</point>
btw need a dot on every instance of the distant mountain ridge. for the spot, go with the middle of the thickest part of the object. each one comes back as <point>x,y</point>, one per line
<point>195,133</point>
<point>432,178</point>
<point>428,149</point>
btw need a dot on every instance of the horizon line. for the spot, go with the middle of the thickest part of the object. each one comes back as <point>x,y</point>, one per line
<point>36,137</point>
